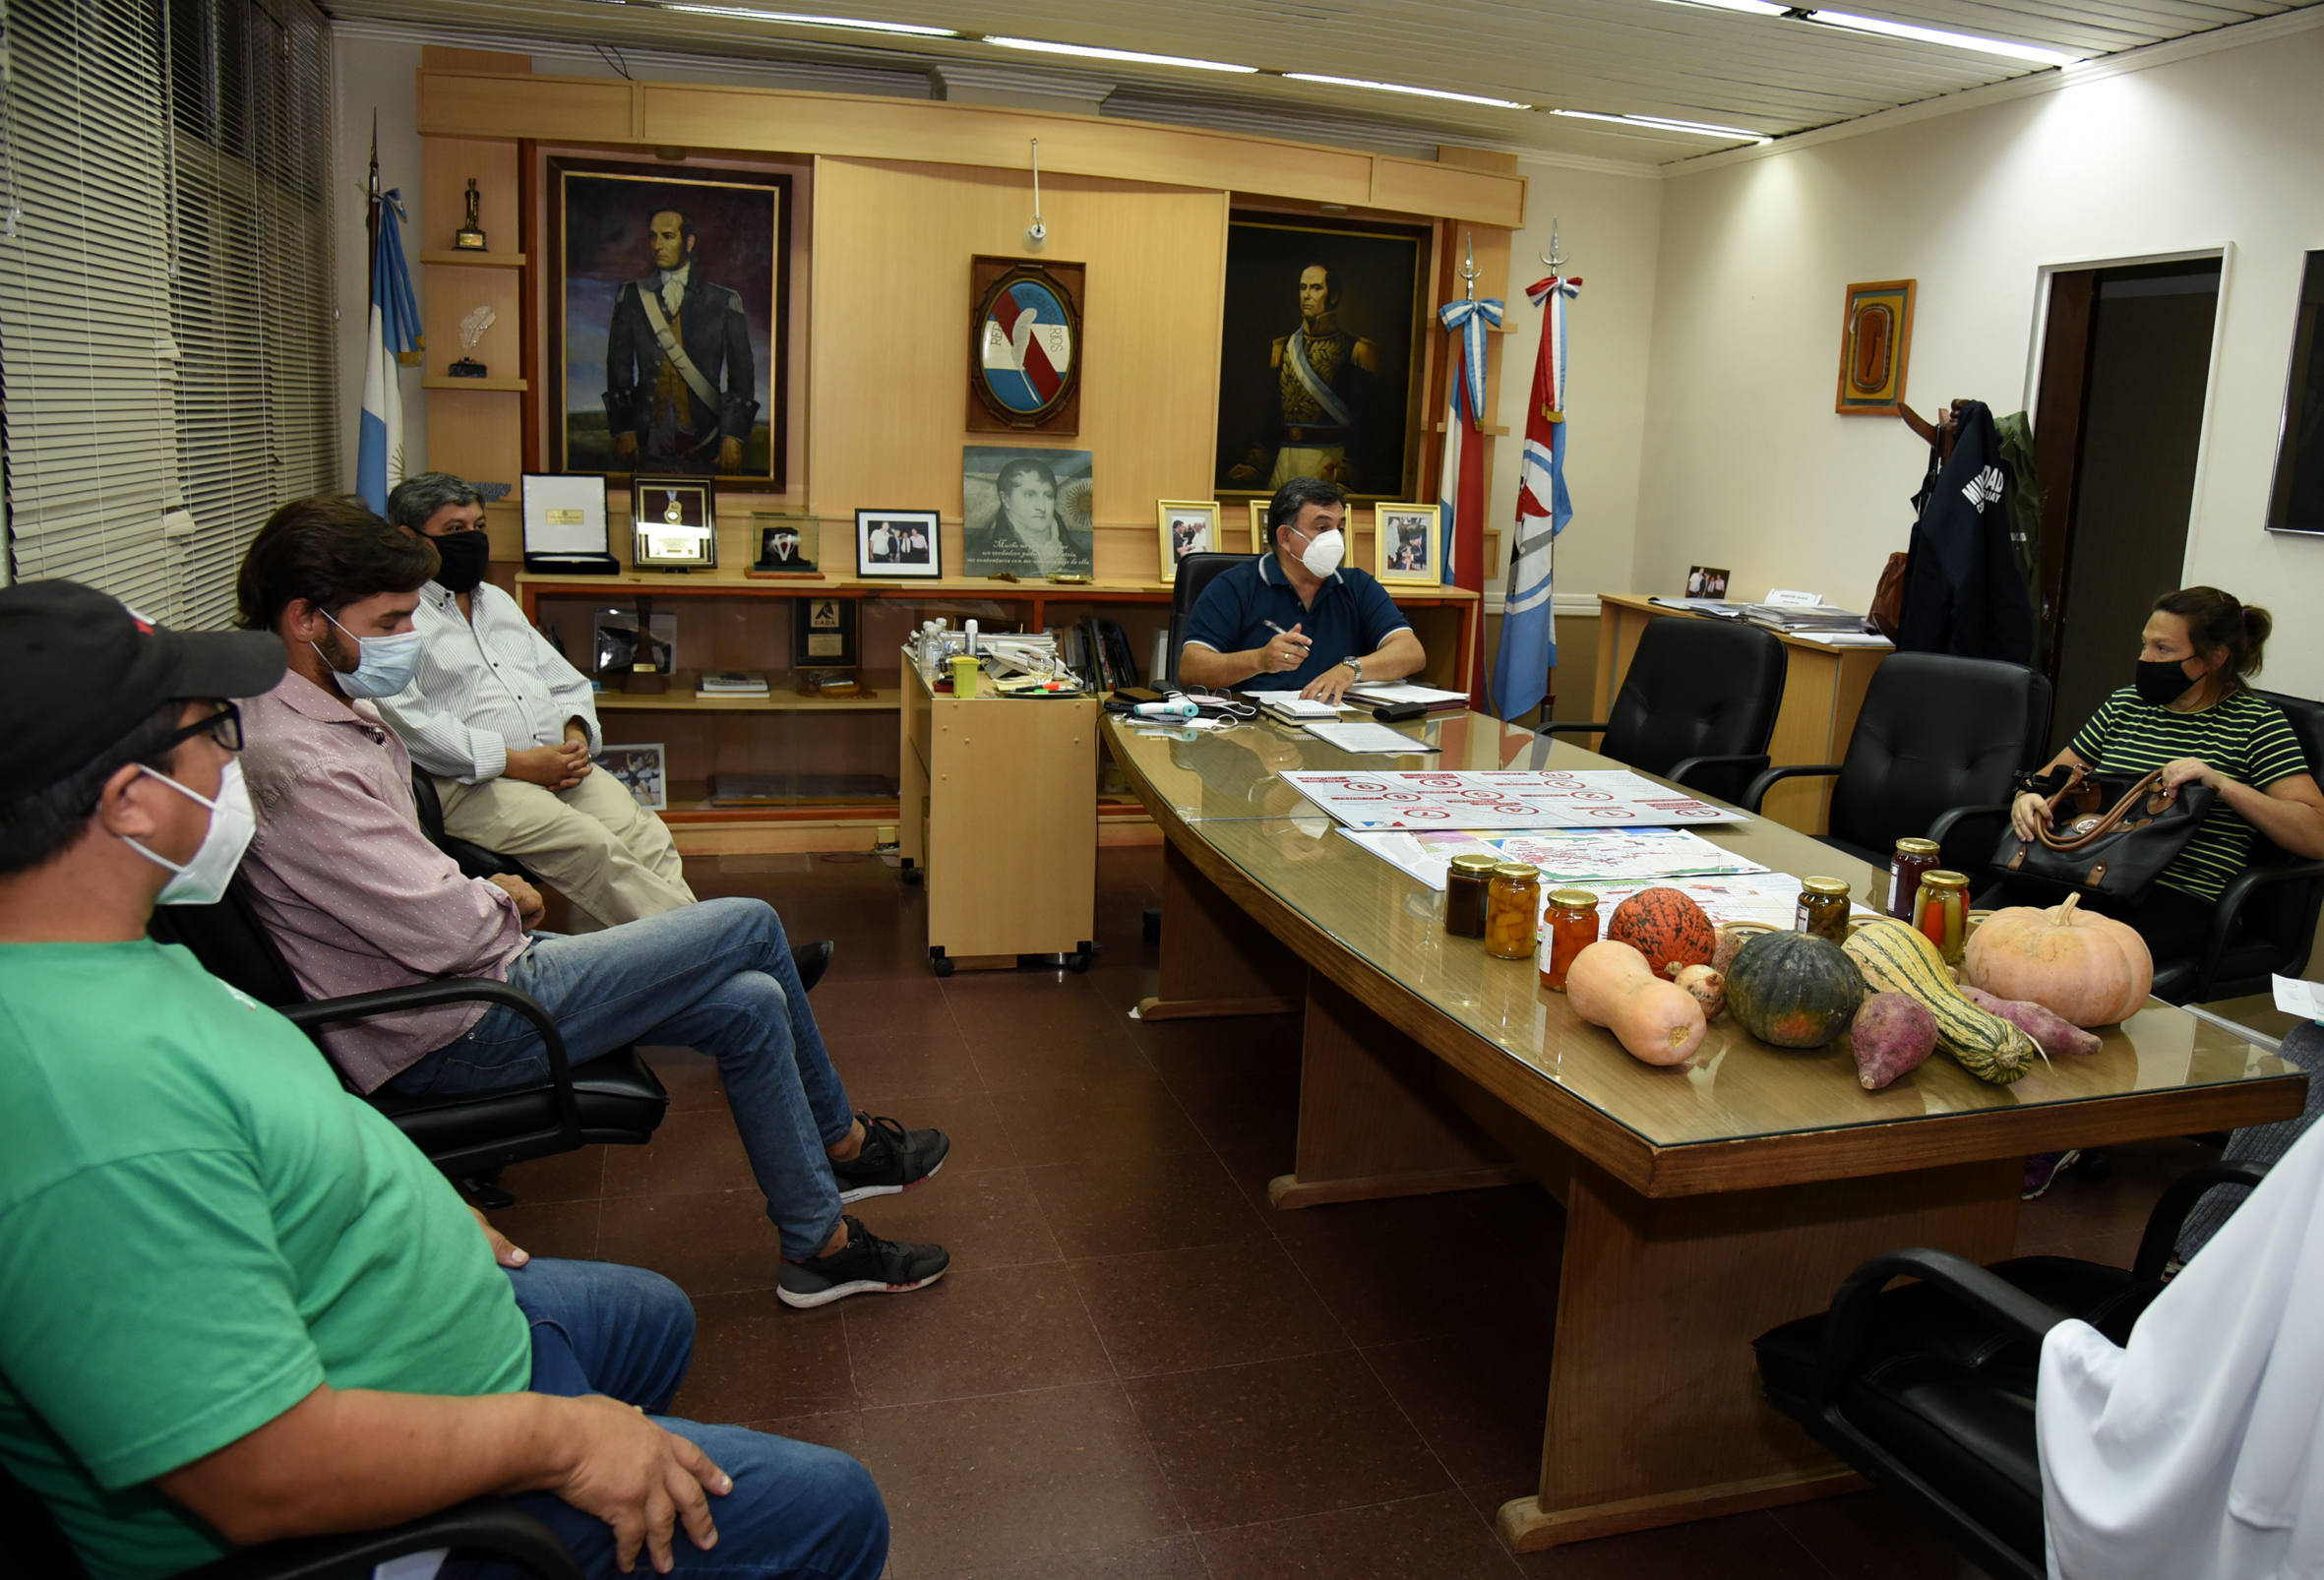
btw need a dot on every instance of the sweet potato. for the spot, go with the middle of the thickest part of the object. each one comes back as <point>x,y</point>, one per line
<point>1658,1022</point>
<point>1894,1032</point>
<point>1708,987</point>
<point>2051,1032</point>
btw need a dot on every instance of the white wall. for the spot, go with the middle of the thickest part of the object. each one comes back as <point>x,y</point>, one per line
<point>381,76</point>
<point>1748,466</point>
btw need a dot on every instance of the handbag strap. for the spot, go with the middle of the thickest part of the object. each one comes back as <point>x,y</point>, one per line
<point>2106,824</point>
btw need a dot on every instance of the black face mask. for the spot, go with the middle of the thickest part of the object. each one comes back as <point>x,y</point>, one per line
<point>2157,684</point>
<point>465,556</point>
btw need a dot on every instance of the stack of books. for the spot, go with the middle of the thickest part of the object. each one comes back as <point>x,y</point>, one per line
<point>717,684</point>
<point>1808,619</point>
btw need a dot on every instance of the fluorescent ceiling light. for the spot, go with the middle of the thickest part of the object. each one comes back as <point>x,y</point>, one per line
<point>1134,57</point>
<point>1938,36</point>
<point>797,20</point>
<point>1757,8</point>
<point>1399,87</point>
<point>1732,133</point>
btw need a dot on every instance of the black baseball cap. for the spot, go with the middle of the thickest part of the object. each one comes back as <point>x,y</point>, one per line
<point>84,671</point>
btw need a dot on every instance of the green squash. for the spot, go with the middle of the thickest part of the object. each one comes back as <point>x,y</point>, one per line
<point>1794,990</point>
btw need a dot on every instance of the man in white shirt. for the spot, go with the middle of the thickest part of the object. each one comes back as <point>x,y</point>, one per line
<point>507,727</point>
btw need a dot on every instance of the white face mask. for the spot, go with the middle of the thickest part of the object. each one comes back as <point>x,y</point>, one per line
<point>204,880</point>
<point>1323,552</point>
<point>383,665</point>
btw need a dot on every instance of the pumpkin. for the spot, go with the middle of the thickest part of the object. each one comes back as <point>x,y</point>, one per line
<point>1665,926</point>
<point>2087,969</point>
<point>1656,1021</point>
<point>1794,990</point>
<point>1896,957</point>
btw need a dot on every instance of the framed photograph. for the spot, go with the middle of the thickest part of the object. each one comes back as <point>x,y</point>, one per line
<point>1319,360</point>
<point>1024,359</point>
<point>1026,512</point>
<point>638,770</point>
<point>898,543</point>
<point>1404,544</point>
<point>1705,582</point>
<point>1186,527</point>
<point>1258,524</point>
<point>638,252</point>
<point>823,633</point>
<point>1875,345</point>
<point>675,523</point>
<point>565,523</point>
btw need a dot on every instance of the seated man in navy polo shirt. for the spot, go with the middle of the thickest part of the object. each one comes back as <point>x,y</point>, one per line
<point>1295,618</point>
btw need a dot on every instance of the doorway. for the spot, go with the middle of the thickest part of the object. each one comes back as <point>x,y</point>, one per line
<point>2125,364</point>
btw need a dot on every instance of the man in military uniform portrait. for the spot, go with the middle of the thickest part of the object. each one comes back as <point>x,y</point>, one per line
<point>1324,399</point>
<point>679,380</point>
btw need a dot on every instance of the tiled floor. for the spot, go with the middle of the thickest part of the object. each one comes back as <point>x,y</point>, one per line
<point>1136,1369</point>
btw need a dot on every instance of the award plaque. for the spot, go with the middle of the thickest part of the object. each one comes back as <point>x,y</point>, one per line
<point>674,524</point>
<point>468,238</point>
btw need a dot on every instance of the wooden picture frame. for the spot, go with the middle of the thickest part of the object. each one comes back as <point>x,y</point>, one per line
<point>1405,539</point>
<point>1024,317</point>
<point>673,524</point>
<point>1258,524</point>
<point>1875,347</point>
<point>824,633</point>
<point>1185,526</point>
<point>879,557</point>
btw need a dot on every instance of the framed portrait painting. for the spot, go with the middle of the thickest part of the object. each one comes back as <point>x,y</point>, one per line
<point>1876,349</point>
<point>1404,544</point>
<point>1026,512</point>
<point>666,320</point>
<point>1186,527</point>
<point>898,543</point>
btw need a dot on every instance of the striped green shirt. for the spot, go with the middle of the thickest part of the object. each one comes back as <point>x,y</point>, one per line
<point>2243,736</point>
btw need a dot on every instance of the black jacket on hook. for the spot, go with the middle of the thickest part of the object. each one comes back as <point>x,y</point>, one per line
<point>1963,594</point>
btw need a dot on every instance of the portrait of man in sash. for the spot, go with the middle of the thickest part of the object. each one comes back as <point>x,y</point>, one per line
<point>679,390</point>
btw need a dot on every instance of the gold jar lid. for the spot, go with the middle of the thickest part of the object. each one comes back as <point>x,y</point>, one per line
<point>1824,885</point>
<point>1517,872</point>
<point>1944,879</point>
<point>1909,846</point>
<point>1572,899</point>
<point>1476,865</point>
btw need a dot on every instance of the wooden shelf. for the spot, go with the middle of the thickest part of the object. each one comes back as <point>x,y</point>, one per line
<point>729,583</point>
<point>438,380</point>
<point>680,699</point>
<point>465,260</point>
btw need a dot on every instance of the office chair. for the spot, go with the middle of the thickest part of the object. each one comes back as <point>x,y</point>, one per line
<point>1698,705</point>
<point>1195,573</point>
<point>1927,1391</point>
<point>473,860</point>
<point>34,1546</point>
<point>1937,750</point>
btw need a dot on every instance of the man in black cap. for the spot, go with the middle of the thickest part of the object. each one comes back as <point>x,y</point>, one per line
<point>235,1302</point>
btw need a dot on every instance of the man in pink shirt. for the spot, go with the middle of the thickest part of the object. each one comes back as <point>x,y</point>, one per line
<point>356,898</point>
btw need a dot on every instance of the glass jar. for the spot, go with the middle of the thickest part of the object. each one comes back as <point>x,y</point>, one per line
<point>1913,858</point>
<point>1940,911</point>
<point>1513,911</point>
<point>1823,908</point>
<point>1465,884</point>
<point>1571,927</point>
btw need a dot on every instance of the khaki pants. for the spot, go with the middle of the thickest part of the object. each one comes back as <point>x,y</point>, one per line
<point>602,851</point>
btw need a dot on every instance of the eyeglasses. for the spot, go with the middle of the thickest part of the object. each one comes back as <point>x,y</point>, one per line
<point>224,726</point>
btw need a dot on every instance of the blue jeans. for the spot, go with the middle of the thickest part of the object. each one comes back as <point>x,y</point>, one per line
<point>797,1509</point>
<point>718,977</point>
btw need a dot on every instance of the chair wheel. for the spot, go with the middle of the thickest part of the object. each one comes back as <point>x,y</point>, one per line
<point>912,872</point>
<point>1151,924</point>
<point>2095,1167</point>
<point>941,966</point>
<point>486,1188</point>
<point>1077,961</point>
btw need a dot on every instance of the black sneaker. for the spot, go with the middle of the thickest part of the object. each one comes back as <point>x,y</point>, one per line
<point>865,1262</point>
<point>892,1160</point>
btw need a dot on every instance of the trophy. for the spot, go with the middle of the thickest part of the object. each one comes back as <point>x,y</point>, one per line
<point>468,238</point>
<point>471,330</point>
<point>787,544</point>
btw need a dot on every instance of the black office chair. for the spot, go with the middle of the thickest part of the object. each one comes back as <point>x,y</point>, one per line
<point>1927,1391</point>
<point>613,1097</point>
<point>1698,705</point>
<point>34,1546</point>
<point>474,860</point>
<point>1938,745</point>
<point>1195,573</point>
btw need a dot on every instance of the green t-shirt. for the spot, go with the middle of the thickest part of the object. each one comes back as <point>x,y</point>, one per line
<point>198,1226</point>
<point>2243,736</point>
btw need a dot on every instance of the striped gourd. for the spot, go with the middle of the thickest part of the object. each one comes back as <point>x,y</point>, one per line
<point>1896,958</point>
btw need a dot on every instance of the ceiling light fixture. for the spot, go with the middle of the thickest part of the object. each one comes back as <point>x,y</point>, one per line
<point>1733,134</point>
<point>798,19</point>
<point>1938,36</point>
<point>1757,8</point>
<point>1399,87</point>
<point>1134,57</point>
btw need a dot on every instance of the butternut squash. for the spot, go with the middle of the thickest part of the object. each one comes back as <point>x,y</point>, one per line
<point>1611,985</point>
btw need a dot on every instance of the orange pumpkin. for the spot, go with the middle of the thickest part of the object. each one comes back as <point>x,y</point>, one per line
<point>1665,925</point>
<point>2082,967</point>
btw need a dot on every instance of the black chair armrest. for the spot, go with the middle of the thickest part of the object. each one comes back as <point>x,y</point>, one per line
<point>1985,1293</point>
<point>1946,822</point>
<point>1561,727</point>
<point>1766,781</point>
<point>488,1524</point>
<point>2228,913</point>
<point>455,989</point>
<point>2170,1212</point>
<point>1961,820</point>
<point>1750,762</point>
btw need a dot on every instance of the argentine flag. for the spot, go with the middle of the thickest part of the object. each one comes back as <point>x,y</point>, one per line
<point>393,329</point>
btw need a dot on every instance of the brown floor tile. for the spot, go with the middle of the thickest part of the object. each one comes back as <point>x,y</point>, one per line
<point>1074,1056</point>
<point>980,1330</point>
<point>575,1175</point>
<point>979,1139</point>
<point>1234,1048</point>
<point>1871,1536</point>
<point>1740,1547</point>
<point>1479,1400</point>
<point>1434,1538</point>
<point>567,1229</point>
<point>1174,1558</point>
<point>887,1068</point>
<point>985,1217</point>
<point>714,1243</point>
<point>995,1482</point>
<point>1119,1206</point>
<point>896,1009</point>
<point>1369,1260</point>
<point>1282,1438</point>
<point>1175,1311</point>
<point>757,1360</point>
<point>691,1154</point>
<point>1264,1103</point>
<point>1078,1124</point>
<point>691,1079</point>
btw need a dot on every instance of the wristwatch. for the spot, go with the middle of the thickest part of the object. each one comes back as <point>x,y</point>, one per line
<point>1356,664</point>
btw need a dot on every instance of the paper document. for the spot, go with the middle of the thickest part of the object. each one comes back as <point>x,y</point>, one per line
<point>2297,997</point>
<point>1566,856</point>
<point>1365,738</point>
<point>1843,638</point>
<point>1787,598</point>
<point>1702,606</point>
<point>1507,799</point>
<point>1425,695</point>
<point>1769,899</point>
<point>1301,708</point>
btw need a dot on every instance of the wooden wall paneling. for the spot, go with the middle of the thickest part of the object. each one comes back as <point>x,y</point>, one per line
<point>448,162</point>
<point>453,291</point>
<point>568,108</point>
<point>528,339</point>
<point>473,433</point>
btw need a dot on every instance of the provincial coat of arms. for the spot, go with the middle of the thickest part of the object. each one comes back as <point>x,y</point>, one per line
<point>1025,360</point>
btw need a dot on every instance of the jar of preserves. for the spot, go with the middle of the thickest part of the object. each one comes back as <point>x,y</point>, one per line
<point>1823,908</point>
<point>1912,858</point>
<point>1465,884</point>
<point>1570,926</point>
<point>1940,911</point>
<point>1513,911</point>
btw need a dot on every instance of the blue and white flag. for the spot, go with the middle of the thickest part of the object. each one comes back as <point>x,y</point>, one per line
<point>1528,621</point>
<point>395,328</point>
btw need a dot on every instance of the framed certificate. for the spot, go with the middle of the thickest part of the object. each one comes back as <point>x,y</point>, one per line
<point>565,524</point>
<point>675,525</point>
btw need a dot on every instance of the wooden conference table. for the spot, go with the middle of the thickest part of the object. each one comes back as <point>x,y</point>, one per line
<point>1704,1203</point>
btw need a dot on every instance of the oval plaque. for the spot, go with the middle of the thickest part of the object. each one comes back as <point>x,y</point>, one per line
<point>1026,360</point>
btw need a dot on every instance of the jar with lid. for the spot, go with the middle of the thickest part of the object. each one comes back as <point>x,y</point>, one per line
<point>1571,927</point>
<point>1513,911</point>
<point>1823,908</point>
<point>1941,912</point>
<point>1465,884</point>
<point>1913,858</point>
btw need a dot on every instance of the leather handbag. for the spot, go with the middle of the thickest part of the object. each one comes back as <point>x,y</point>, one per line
<point>2107,833</point>
<point>1889,599</point>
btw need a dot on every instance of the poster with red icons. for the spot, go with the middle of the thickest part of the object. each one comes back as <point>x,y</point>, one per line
<point>1514,799</point>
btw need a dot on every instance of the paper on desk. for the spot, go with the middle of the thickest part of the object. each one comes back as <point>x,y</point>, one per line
<point>2297,997</point>
<point>1566,856</point>
<point>1360,739</point>
<point>1514,800</point>
<point>1843,638</point>
<point>1291,706</point>
<point>1769,899</point>
<point>1427,696</point>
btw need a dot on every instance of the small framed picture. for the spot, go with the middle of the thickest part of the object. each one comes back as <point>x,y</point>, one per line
<point>823,633</point>
<point>898,543</point>
<point>676,528</point>
<point>638,770</point>
<point>1404,543</point>
<point>1186,527</point>
<point>1705,582</point>
<point>1258,526</point>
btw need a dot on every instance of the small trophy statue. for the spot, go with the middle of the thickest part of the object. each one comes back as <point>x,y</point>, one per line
<point>468,238</point>
<point>471,330</point>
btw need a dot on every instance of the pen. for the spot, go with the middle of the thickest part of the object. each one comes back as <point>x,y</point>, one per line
<point>1277,630</point>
